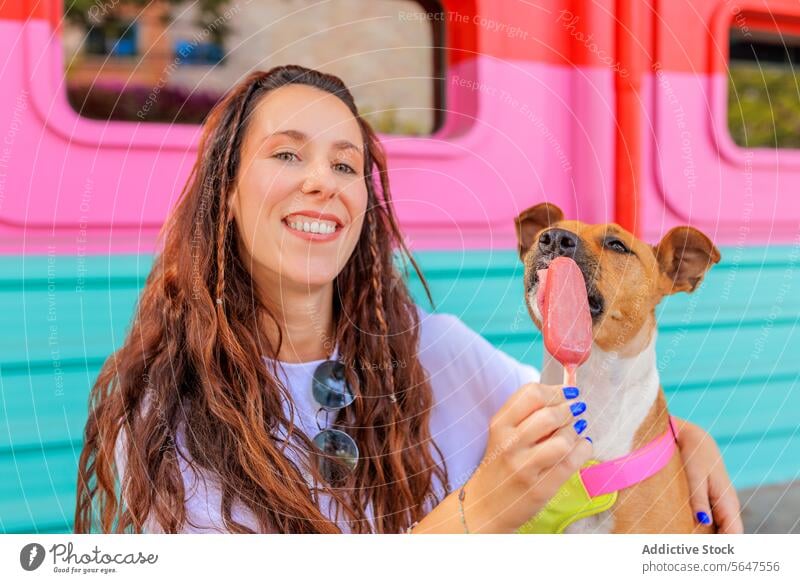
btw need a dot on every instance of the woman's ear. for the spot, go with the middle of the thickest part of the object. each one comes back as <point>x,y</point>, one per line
<point>684,255</point>
<point>531,221</point>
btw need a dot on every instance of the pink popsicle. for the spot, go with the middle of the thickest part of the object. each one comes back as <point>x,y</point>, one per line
<point>566,320</point>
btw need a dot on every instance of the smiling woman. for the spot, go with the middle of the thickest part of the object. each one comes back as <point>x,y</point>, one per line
<point>191,376</point>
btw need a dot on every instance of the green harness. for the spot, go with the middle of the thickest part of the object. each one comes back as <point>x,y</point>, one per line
<point>570,503</point>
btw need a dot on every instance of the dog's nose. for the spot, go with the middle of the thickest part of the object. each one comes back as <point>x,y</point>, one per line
<point>558,242</point>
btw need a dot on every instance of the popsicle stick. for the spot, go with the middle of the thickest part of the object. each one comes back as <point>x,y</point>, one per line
<point>570,376</point>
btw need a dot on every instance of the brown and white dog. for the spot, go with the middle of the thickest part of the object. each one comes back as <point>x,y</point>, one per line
<point>626,409</point>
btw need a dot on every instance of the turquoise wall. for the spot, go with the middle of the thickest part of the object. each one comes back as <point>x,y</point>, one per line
<point>727,357</point>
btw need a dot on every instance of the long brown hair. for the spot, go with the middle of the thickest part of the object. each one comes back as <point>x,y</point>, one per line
<point>196,360</point>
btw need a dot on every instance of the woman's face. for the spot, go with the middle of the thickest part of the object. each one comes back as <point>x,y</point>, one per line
<point>301,194</point>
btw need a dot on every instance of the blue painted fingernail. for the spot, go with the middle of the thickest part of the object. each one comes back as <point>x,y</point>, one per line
<point>589,439</point>
<point>577,408</point>
<point>571,392</point>
<point>580,425</point>
<point>703,518</point>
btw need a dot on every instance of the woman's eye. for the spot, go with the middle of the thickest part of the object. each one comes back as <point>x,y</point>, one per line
<point>341,167</point>
<point>617,245</point>
<point>286,156</point>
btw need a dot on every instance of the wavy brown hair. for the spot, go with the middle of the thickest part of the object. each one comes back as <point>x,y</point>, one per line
<point>198,362</point>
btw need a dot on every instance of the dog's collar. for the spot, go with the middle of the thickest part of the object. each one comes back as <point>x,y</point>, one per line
<point>595,487</point>
<point>637,466</point>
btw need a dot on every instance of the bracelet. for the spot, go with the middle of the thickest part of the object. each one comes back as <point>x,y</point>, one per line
<point>461,495</point>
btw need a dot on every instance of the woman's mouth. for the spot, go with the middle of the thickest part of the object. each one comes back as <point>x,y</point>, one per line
<point>313,227</point>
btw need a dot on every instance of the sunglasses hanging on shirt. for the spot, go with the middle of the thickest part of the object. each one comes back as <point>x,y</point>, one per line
<point>337,452</point>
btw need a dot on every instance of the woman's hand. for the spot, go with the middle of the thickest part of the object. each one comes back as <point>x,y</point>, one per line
<point>536,442</point>
<point>712,494</point>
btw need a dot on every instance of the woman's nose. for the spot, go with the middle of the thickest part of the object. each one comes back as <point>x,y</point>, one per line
<point>320,180</point>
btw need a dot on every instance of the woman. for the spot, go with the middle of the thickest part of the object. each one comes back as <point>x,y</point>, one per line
<point>278,376</point>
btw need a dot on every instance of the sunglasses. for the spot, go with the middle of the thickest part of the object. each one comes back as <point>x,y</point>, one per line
<point>337,452</point>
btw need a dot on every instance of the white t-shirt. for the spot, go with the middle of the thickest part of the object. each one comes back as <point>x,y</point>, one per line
<point>470,379</point>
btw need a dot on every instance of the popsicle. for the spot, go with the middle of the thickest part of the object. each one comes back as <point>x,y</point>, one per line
<point>566,320</point>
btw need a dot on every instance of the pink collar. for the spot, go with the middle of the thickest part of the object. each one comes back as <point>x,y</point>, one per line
<point>637,466</point>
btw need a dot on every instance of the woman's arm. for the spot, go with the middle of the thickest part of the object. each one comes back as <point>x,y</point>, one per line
<point>713,496</point>
<point>446,519</point>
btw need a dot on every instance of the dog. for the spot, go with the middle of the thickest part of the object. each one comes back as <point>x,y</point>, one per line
<point>625,278</point>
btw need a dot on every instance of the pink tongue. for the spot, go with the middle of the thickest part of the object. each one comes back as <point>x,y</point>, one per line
<point>566,320</point>
<point>542,273</point>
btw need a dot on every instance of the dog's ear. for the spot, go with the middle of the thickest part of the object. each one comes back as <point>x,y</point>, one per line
<point>684,255</point>
<point>533,220</point>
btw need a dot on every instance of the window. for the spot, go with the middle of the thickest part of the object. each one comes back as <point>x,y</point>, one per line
<point>170,62</point>
<point>188,52</point>
<point>763,89</point>
<point>112,38</point>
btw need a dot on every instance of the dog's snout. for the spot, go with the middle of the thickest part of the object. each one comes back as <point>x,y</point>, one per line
<point>558,242</point>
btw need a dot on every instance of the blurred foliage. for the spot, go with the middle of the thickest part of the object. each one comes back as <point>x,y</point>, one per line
<point>114,101</point>
<point>387,121</point>
<point>763,105</point>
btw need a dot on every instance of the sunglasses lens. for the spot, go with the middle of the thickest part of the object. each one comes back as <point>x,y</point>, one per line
<point>337,456</point>
<point>330,387</point>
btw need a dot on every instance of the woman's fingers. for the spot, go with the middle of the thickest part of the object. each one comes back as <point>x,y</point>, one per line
<point>529,398</point>
<point>543,422</point>
<point>724,502</point>
<point>712,495</point>
<point>695,466</point>
<point>557,474</point>
<point>698,498</point>
<point>565,450</point>
<point>532,449</point>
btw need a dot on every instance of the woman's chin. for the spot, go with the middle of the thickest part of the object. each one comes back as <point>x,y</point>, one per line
<point>312,277</point>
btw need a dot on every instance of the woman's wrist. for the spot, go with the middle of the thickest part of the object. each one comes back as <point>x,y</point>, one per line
<point>454,516</point>
<point>480,517</point>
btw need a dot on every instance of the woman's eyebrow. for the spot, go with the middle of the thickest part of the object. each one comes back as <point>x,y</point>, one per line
<point>345,145</point>
<point>299,136</point>
<point>293,134</point>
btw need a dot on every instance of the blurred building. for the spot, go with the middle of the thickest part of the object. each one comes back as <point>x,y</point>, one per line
<point>383,50</point>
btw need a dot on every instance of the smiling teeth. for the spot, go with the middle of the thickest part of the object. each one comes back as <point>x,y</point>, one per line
<point>321,228</point>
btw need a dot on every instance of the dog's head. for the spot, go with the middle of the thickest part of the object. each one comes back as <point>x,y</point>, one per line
<point>625,277</point>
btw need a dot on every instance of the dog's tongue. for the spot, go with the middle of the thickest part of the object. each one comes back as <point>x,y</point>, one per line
<point>566,320</point>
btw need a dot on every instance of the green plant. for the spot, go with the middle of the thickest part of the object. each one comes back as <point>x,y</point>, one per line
<point>386,121</point>
<point>763,106</point>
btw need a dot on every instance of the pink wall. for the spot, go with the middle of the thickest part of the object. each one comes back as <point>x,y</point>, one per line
<point>696,174</point>
<point>543,132</point>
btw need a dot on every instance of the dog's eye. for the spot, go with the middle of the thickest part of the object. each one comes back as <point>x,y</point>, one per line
<point>616,245</point>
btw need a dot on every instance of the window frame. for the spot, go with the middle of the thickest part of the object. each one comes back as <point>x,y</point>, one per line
<point>43,53</point>
<point>779,18</point>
